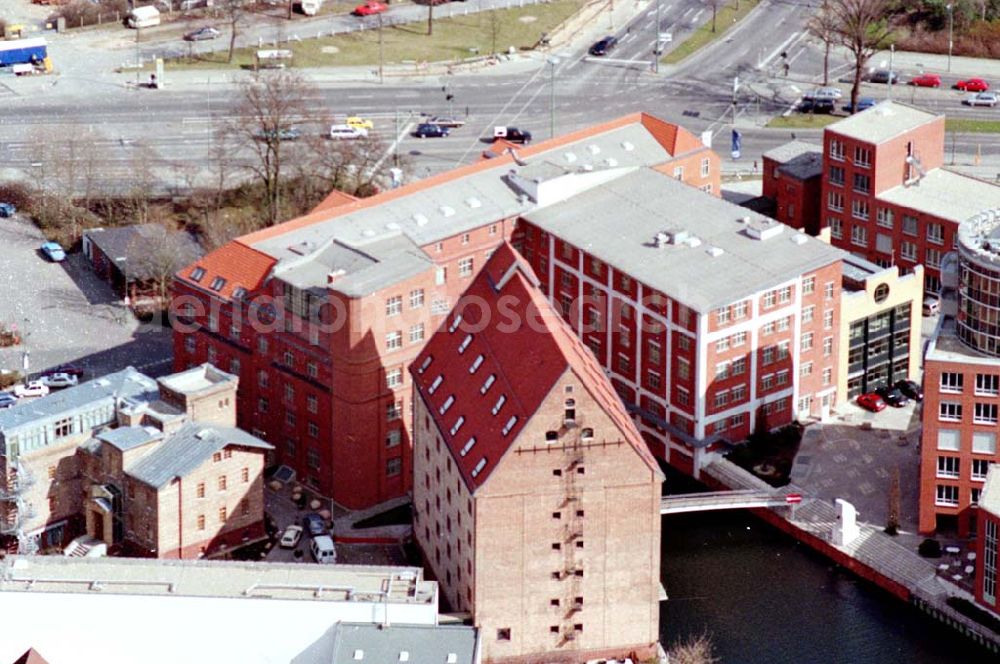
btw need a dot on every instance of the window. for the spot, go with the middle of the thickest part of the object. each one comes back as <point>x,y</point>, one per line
<point>767,381</point>
<point>245,475</point>
<point>739,339</point>
<point>740,310</point>
<point>935,233</point>
<point>683,343</point>
<point>416,333</point>
<point>950,411</point>
<point>987,384</point>
<point>503,634</point>
<point>262,404</point>
<point>313,429</point>
<point>394,411</point>
<point>487,383</point>
<point>705,168</point>
<point>908,251</point>
<point>200,490</point>
<point>827,376</point>
<point>262,345</point>
<point>837,150</point>
<point>394,340</point>
<point>289,393</point>
<point>806,369</point>
<point>985,413</point>
<point>782,377</point>
<point>837,175</point>
<point>683,396</point>
<point>722,315</point>
<point>859,210</point>
<point>767,357</point>
<point>197,274</point>
<point>465,267</point>
<point>738,366</point>
<point>222,483</point>
<point>783,350</point>
<point>217,457</point>
<point>393,466</point>
<point>394,378</point>
<point>768,299</point>
<point>862,157</point>
<point>499,404</point>
<point>949,440</point>
<point>951,382</point>
<point>312,403</point>
<point>722,345</point>
<point>979,469</point>
<point>683,368</point>
<point>828,320</point>
<point>807,314</point>
<point>509,425</point>
<point>910,225</point>
<point>721,398</point>
<point>679,172</point>
<point>222,515</point>
<point>290,418</point>
<point>722,370</point>
<point>739,393</point>
<point>947,466</point>
<point>862,183</point>
<point>984,442</point>
<point>394,305</point>
<point>653,351</point>
<point>201,522</point>
<point>653,380</point>
<point>835,201</point>
<point>807,341</point>
<point>947,496</point>
<point>448,403</point>
<point>883,217</point>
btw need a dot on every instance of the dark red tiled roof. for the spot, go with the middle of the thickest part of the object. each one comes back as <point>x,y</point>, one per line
<point>334,199</point>
<point>504,319</point>
<point>240,265</point>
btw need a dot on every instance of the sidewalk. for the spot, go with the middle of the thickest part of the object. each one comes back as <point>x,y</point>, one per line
<point>910,62</point>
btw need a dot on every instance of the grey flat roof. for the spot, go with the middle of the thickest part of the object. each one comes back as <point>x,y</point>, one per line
<point>791,150</point>
<point>945,345</point>
<point>125,438</point>
<point>882,121</point>
<point>618,220</point>
<point>188,448</point>
<point>134,243</point>
<point>127,383</point>
<point>430,214</point>
<point>196,379</point>
<point>945,194</point>
<point>799,159</point>
<point>989,499</point>
<point>206,578</point>
<point>350,643</point>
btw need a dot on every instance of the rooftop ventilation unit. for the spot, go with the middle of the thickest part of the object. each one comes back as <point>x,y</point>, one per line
<point>744,220</point>
<point>693,241</point>
<point>447,210</point>
<point>420,219</point>
<point>392,226</point>
<point>368,232</point>
<point>628,147</point>
<point>611,161</point>
<point>593,149</point>
<point>763,228</point>
<point>333,276</point>
<point>203,434</point>
<point>799,239</point>
<point>714,252</point>
<point>586,168</point>
<point>473,202</point>
<point>569,157</point>
<point>668,236</point>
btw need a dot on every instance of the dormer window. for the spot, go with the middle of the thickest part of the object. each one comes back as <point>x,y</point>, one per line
<point>465,343</point>
<point>239,293</point>
<point>447,404</point>
<point>488,383</point>
<point>476,363</point>
<point>436,384</point>
<point>197,274</point>
<point>499,404</point>
<point>217,284</point>
<point>455,323</point>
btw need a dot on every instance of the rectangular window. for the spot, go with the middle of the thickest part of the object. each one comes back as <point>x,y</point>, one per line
<point>653,351</point>
<point>932,258</point>
<point>465,267</point>
<point>740,310</point>
<point>739,366</point>
<point>683,368</point>
<point>767,381</point>
<point>721,398</point>
<point>739,393</point>
<point>313,429</point>
<point>859,236</point>
<point>807,341</point>
<point>705,168</point>
<point>859,209</point>
<point>394,378</point>
<point>767,357</point>
<point>782,377</point>
<point>947,466</point>
<point>949,440</point>
<point>862,183</point>
<point>394,305</point>
<point>935,233</point>
<point>416,333</point>
<point>908,251</point>
<point>910,225</point>
<point>683,396</point>
<point>836,176</point>
<point>768,299</point>
<point>722,370</point>
<point>416,298</point>
<point>394,411</point>
<point>739,339</point>
<point>979,469</point>
<point>985,413</point>
<point>987,384</point>
<point>222,515</point>
<point>807,314</point>
<point>722,345</point>
<point>947,496</point>
<point>984,442</point>
<point>722,315</point>
<point>951,382</point>
<point>783,350</point>
<point>837,150</point>
<point>883,217</point>
<point>808,285</point>
<point>836,228</point>
<point>950,411</point>
<point>827,376</point>
<point>835,201</point>
<point>806,369</point>
<point>312,403</point>
<point>785,295</point>
<point>862,157</point>
<point>394,341</point>
<point>201,522</point>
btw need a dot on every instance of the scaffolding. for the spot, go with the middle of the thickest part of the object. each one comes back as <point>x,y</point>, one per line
<point>15,509</point>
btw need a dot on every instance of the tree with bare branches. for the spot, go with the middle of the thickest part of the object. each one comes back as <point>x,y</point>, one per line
<point>714,5</point>
<point>862,27</point>
<point>269,104</point>
<point>821,26</point>
<point>359,168</point>
<point>234,11</point>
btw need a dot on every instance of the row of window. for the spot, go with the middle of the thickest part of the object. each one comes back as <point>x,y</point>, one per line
<point>947,496</point>
<point>394,339</point>
<point>983,442</point>
<point>221,482</point>
<point>983,413</point>
<point>731,422</point>
<point>223,514</point>
<point>986,384</point>
<point>862,156</point>
<point>950,467</point>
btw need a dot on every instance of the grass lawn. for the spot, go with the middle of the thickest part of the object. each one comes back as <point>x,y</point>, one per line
<point>452,40</point>
<point>726,17</point>
<point>803,121</point>
<point>963,125</point>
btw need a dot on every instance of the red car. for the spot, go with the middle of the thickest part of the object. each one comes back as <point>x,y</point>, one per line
<point>926,81</point>
<point>973,85</point>
<point>370,8</point>
<point>872,402</point>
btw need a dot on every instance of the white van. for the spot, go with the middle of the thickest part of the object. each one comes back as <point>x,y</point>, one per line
<point>144,17</point>
<point>310,7</point>
<point>347,132</point>
<point>323,550</point>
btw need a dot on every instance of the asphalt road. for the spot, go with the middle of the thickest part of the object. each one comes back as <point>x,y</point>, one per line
<point>571,92</point>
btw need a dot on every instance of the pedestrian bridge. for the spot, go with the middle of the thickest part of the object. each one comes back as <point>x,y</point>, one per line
<point>725,500</point>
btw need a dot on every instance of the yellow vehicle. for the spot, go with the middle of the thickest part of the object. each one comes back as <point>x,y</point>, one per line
<point>360,123</point>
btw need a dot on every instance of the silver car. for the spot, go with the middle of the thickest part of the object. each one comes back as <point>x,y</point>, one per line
<point>825,93</point>
<point>981,99</point>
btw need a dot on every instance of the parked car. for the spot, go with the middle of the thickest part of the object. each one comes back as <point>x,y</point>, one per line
<point>70,369</point>
<point>347,132</point>
<point>33,389</point>
<point>370,8</point>
<point>445,121</point>
<point>816,106</point>
<point>7,210</point>
<point>314,524</point>
<point>982,99</point>
<point>360,123</point>
<point>910,389</point>
<point>932,306</point>
<point>53,252</point>
<point>512,134</point>
<point>7,400</point>
<point>826,92</point>
<point>884,76</point>
<point>290,538</point>
<point>604,46</point>
<point>202,34</point>
<point>282,134</point>
<point>872,402</point>
<point>926,81</point>
<point>427,130</point>
<point>892,396</point>
<point>973,85</point>
<point>864,103</point>
<point>323,550</point>
<point>58,380</point>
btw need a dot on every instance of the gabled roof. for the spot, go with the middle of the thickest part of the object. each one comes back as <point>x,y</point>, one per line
<point>487,370</point>
<point>134,243</point>
<point>240,265</point>
<point>31,657</point>
<point>185,451</point>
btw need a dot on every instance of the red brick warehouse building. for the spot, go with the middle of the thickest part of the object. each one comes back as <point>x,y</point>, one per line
<point>344,298</point>
<point>883,192</point>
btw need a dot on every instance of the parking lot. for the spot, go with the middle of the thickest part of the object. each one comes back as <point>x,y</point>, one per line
<point>65,314</point>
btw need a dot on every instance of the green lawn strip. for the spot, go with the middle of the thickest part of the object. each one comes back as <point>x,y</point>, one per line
<point>727,17</point>
<point>803,121</point>
<point>971,126</point>
<point>453,39</point>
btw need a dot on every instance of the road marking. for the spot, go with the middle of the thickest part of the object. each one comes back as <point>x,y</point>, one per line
<point>697,16</point>
<point>360,96</point>
<point>781,47</point>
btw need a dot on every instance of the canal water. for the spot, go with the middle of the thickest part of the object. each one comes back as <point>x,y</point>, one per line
<point>766,599</point>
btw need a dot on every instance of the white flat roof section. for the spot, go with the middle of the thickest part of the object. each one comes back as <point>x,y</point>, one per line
<point>945,194</point>
<point>882,122</point>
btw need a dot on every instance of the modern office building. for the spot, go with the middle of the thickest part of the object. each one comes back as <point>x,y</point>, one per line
<point>988,542</point>
<point>536,502</point>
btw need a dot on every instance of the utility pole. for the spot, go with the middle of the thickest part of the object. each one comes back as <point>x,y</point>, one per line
<point>395,143</point>
<point>552,95</point>
<point>951,33</point>
<point>656,41</point>
<point>380,60</point>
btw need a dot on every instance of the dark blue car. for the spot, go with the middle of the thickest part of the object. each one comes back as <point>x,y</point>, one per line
<point>428,130</point>
<point>314,524</point>
<point>863,104</point>
<point>7,210</point>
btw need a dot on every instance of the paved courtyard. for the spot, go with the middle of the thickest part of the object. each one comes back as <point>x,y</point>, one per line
<point>66,314</point>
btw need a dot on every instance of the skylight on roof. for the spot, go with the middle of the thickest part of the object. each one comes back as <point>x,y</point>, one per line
<point>197,273</point>
<point>628,147</point>
<point>421,219</point>
<point>479,467</point>
<point>473,202</point>
<point>239,293</point>
<point>499,404</point>
<point>426,363</point>
<point>436,384</point>
<point>447,211</point>
<point>465,343</point>
<point>593,149</point>
<point>447,404</point>
<point>468,446</point>
<point>455,323</point>
<point>458,424</point>
<point>476,363</point>
<point>488,383</point>
<point>569,157</point>
<point>217,283</point>
<point>510,425</point>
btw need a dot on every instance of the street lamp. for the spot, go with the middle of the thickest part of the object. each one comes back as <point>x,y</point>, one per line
<point>552,61</point>
<point>951,24</point>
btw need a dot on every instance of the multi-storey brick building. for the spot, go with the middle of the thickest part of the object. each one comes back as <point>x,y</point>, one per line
<point>988,543</point>
<point>151,468</point>
<point>320,316</point>
<point>885,195</point>
<point>793,183</point>
<point>536,501</point>
<point>962,381</point>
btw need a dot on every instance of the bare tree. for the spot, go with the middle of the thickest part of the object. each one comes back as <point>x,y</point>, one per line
<point>234,11</point>
<point>694,650</point>
<point>714,5</point>
<point>494,25</point>
<point>892,516</point>
<point>357,167</point>
<point>861,26</point>
<point>156,253</point>
<point>821,26</point>
<point>430,17</point>
<point>270,102</point>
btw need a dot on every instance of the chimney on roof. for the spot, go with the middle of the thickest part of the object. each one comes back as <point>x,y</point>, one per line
<point>333,276</point>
